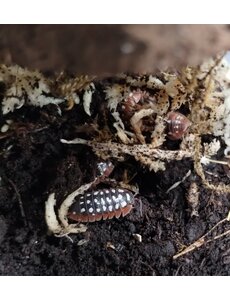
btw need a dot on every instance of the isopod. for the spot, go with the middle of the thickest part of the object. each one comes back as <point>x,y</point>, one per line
<point>130,103</point>
<point>101,204</point>
<point>104,169</point>
<point>177,125</point>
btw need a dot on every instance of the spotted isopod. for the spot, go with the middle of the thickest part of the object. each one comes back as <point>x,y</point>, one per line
<point>101,204</point>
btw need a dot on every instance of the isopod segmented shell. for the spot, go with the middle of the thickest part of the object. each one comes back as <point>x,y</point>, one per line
<point>101,204</point>
<point>105,168</point>
<point>177,125</point>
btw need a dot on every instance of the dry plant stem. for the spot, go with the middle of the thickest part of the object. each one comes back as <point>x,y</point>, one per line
<point>119,149</point>
<point>176,184</point>
<point>201,241</point>
<point>19,201</point>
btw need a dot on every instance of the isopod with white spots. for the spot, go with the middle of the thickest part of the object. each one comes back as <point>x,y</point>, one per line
<point>111,203</point>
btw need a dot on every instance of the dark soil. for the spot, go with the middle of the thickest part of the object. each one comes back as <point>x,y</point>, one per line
<point>37,164</point>
<point>34,163</point>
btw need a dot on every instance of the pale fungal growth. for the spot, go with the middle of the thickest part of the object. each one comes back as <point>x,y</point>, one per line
<point>113,96</point>
<point>204,160</point>
<point>145,119</point>
<point>87,97</point>
<point>219,98</point>
<point>24,87</point>
<point>211,148</point>
<point>150,81</point>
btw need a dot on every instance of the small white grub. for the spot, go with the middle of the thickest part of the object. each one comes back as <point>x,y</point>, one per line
<point>211,148</point>
<point>137,237</point>
<point>87,98</point>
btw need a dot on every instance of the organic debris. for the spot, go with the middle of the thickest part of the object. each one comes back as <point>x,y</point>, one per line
<point>54,131</point>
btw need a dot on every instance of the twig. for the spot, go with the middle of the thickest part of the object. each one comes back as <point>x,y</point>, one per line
<point>176,184</point>
<point>201,241</point>
<point>19,201</point>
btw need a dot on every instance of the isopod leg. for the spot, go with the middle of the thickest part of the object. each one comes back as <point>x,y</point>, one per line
<point>118,213</point>
<point>98,217</point>
<point>126,210</point>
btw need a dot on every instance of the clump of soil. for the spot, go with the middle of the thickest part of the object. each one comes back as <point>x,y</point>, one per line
<point>35,163</point>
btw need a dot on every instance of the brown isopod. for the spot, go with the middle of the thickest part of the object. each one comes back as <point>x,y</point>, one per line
<point>130,103</point>
<point>177,125</point>
<point>101,204</point>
